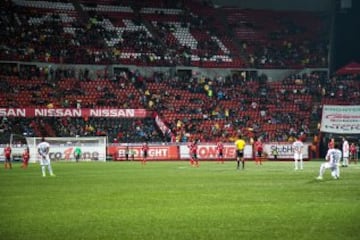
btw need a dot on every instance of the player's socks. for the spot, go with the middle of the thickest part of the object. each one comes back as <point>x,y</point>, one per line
<point>50,170</point>
<point>43,170</point>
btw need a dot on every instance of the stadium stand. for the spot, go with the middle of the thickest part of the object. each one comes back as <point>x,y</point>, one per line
<point>165,34</point>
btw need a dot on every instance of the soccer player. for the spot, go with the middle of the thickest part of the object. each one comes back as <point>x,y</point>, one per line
<point>127,153</point>
<point>144,149</point>
<point>193,153</point>
<point>25,158</point>
<point>240,146</point>
<point>7,154</point>
<point>77,153</point>
<point>43,149</point>
<point>333,157</point>
<point>298,147</point>
<point>331,143</point>
<point>258,148</point>
<point>220,149</point>
<point>345,152</point>
<point>353,157</point>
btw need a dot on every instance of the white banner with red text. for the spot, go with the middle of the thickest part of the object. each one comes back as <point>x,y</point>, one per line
<point>340,119</point>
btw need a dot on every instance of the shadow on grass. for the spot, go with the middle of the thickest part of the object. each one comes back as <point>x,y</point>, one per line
<point>316,181</point>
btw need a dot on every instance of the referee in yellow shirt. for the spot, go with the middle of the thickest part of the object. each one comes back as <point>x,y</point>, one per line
<point>240,145</point>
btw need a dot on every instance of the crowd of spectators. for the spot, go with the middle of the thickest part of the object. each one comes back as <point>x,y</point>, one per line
<point>34,35</point>
<point>191,105</point>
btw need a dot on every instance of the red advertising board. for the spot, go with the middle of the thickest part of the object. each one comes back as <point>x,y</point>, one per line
<point>73,112</point>
<point>158,152</point>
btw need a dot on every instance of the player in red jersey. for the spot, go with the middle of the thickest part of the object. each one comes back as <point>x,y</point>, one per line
<point>193,153</point>
<point>220,149</point>
<point>258,148</point>
<point>7,154</point>
<point>353,153</point>
<point>25,158</point>
<point>331,143</point>
<point>145,149</point>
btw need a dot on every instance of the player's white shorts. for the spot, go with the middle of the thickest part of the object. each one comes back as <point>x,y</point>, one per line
<point>298,156</point>
<point>329,165</point>
<point>44,161</point>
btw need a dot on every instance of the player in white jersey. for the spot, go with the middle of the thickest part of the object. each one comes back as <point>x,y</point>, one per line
<point>43,150</point>
<point>333,157</point>
<point>346,152</point>
<point>298,147</point>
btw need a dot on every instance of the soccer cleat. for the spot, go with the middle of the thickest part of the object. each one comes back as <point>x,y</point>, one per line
<point>52,175</point>
<point>319,178</point>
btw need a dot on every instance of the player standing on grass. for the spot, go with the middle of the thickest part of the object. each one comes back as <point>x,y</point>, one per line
<point>193,153</point>
<point>25,158</point>
<point>240,146</point>
<point>345,152</point>
<point>43,149</point>
<point>298,147</point>
<point>220,149</point>
<point>353,157</point>
<point>331,143</point>
<point>145,149</point>
<point>77,153</point>
<point>258,148</point>
<point>7,154</point>
<point>333,157</point>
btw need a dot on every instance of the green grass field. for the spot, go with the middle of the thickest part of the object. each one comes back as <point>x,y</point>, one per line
<point>171,200</point>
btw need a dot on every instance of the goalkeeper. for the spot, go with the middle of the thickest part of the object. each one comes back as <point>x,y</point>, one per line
<point>77,153</point>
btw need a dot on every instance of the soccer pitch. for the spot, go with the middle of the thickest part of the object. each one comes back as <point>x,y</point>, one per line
<point>172,200</point>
